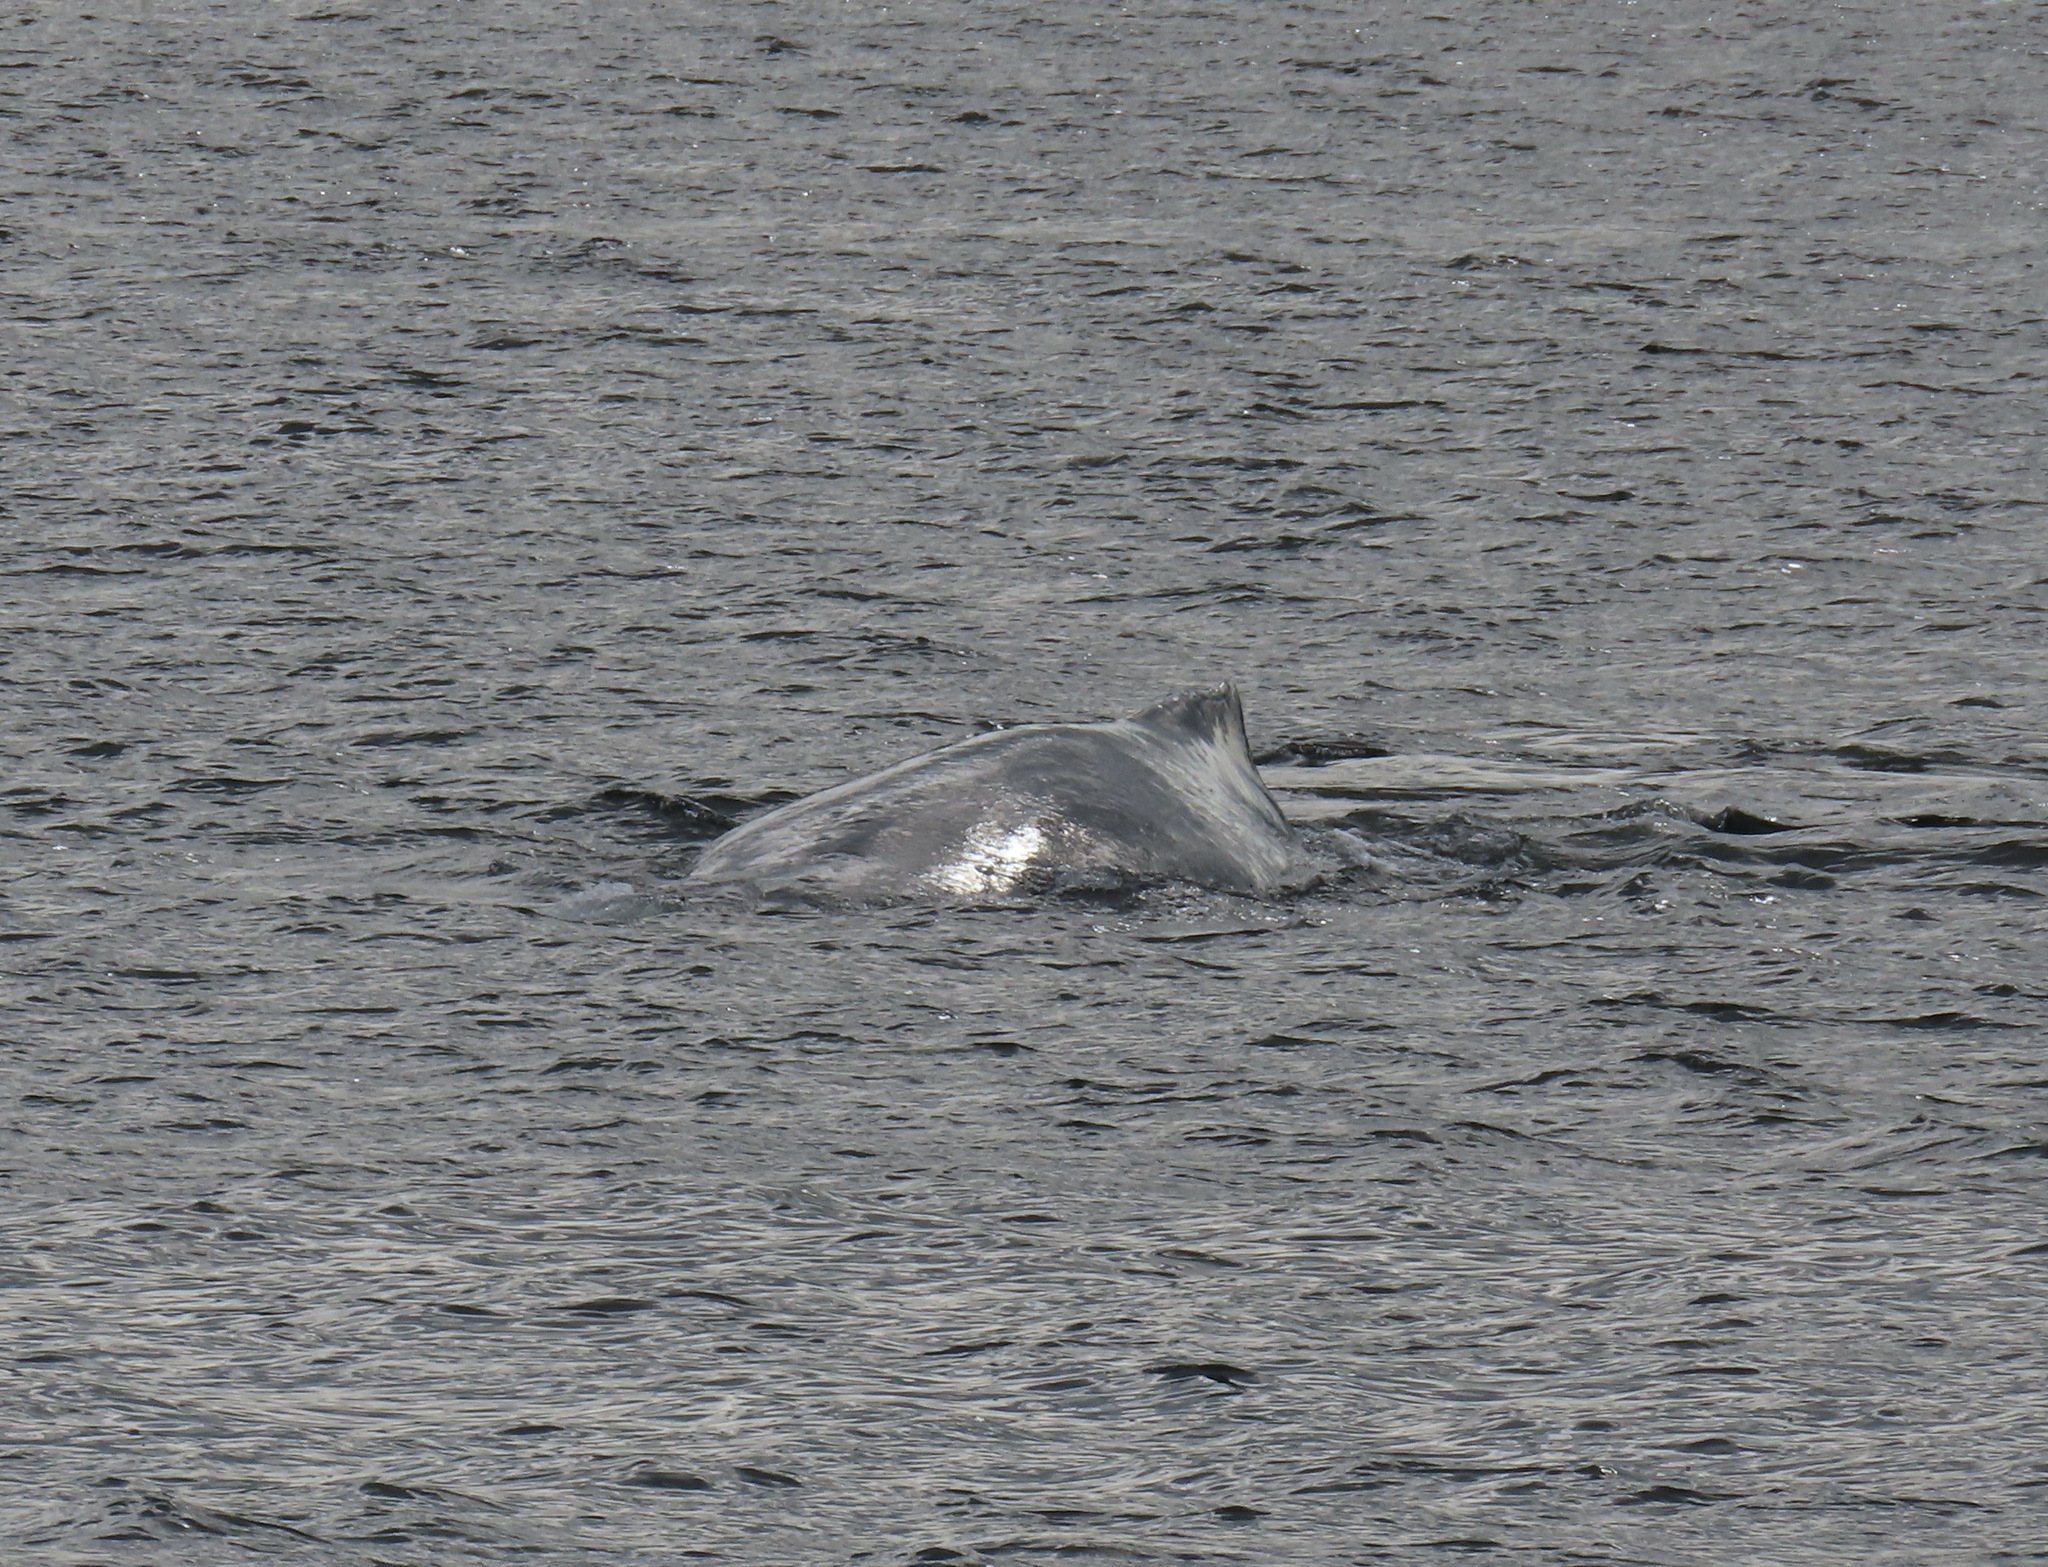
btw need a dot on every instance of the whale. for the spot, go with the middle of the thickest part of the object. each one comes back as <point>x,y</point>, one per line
<point>1169,794</point>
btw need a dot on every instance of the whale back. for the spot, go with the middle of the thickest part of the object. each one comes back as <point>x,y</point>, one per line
<point>1168,794</point>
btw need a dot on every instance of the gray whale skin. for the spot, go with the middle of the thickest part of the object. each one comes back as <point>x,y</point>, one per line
<point>1169,794</point>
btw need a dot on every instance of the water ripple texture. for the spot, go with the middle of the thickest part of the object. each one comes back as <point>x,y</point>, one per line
<point>459,460</point>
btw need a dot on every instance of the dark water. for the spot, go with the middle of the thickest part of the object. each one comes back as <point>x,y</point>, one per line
<point>456,455</point>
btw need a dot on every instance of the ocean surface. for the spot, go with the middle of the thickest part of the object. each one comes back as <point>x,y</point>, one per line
<point>457,459</point>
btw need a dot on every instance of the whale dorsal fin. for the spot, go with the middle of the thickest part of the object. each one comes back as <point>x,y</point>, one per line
<point>1214,714</point>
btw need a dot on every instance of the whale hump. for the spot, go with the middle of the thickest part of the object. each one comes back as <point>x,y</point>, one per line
<point>1214,714</point>
<point>1168,794</point>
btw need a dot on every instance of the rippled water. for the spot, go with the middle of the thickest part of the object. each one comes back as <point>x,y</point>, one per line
<point>457,458</point>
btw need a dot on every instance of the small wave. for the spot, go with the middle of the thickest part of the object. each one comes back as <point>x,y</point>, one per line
<point>608,903</point>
